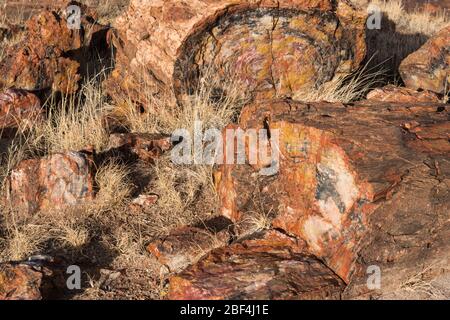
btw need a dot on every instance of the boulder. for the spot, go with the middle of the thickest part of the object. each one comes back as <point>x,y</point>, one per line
<point>270,265</point>
<point>429,67</point>
<point>51,55</point>
<point>273,47</point>
<point>337,165</point>
<point>56,181</point>
<point>391,93</point>
<point>19,108</point>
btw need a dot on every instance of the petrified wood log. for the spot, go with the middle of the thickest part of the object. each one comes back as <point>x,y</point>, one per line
<point>337,165</point>
<point>273,47</point>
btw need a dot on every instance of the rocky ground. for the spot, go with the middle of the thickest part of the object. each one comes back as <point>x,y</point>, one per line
<point>358,117</point>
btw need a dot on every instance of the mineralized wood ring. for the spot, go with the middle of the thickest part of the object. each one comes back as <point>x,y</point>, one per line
<point>275,48</point>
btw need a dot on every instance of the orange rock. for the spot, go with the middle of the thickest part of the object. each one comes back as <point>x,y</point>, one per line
<point>19,282</point>
<point>56,181</point>
<point>50,56</point>
<point>337,164</point>
<point>146,147</point>
<point>391,93</point>
<point>429,67</point>
<point>19,108</point>
<point>267,266</point>
<point>273,47</point>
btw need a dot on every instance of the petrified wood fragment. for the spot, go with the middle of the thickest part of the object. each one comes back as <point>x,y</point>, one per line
<point>429,67</point>
<point>185,246</point>
<point>273,47</point>
<point>55,181</point>
<point>19,108</point>
<point>268,266</point>
<point>337,165</point>
<point>147,147</point>
<point>391,93</point>
<point>51,55</point>
<point>19,282</point>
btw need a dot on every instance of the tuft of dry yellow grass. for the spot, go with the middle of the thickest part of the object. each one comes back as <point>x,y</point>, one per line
<point>75,123</point>
<point>114,186</point>
<point>346,89</point>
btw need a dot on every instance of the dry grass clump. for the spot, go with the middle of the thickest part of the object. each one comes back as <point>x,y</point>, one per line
<point>415,21</point>
<point>213,107</point>
<point>113,184</point>
<point>75,123</point>
<point>186,192</point>
<point>20,242</point>
<point>106,233</point>
<point>346,89</point>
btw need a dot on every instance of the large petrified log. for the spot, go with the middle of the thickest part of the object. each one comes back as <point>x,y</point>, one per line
<point>337,165</point>
<point>270,265</point>
<point>273,47</point>
<point>429,67</point>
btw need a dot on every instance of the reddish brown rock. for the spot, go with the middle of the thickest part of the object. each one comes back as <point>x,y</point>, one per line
<point>337,165</point>
<point>19,281</point>
<point>429,67</point>
<point>268,266</point>
<point>50,56</point>
<point>56,181</point>
<point>409,239</point>
<point>391,93</point>
<point>185,246</point>
<point>19,108</point>
<point>273,47</point>
<point>146,147</point>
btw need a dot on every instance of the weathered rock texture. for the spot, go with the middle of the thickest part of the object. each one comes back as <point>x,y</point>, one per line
<point>273,47</point>
<point>146,147</point>
<point>186,246</point>
<point>391,93</point>
<point>19,108</point>
<point>56,181</point>
<point>52,56</point>
<point>429,67</point>
<point>268,266</point>
<point>19,282</point>
<point>338,164</point>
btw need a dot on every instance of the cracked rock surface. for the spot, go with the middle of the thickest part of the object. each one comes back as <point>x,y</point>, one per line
<point>338,165</point>
<point>274,47</point>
